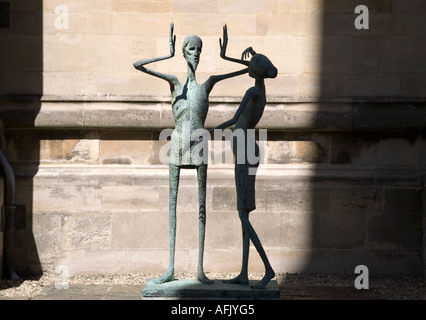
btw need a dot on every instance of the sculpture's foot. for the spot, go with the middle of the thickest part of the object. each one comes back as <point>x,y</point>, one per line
<point>265,280</point>
<point>240,279</point>
<point>203,279</point>
<point>166,277</point>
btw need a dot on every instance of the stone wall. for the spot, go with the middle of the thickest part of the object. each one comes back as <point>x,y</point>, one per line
<point>342,180</point>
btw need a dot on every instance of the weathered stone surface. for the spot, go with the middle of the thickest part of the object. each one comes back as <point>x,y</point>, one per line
<point>48,239</point>
<point>395,231</point>
<point>403,200</point>
<point>343,230</point>
<point>140,6</point>
<point>90,230</point>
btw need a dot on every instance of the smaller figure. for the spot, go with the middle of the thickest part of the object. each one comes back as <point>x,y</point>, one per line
<point>247,117</point>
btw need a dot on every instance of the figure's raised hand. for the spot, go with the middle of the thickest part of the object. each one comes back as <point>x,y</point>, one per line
<point>246,53</point>
<point>225,42</point>
<point>172,41</point>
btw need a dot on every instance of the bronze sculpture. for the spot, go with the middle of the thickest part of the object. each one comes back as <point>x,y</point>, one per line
<point>190,105</point>
<point>246,118</point>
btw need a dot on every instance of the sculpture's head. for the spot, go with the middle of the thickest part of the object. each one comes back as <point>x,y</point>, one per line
<point>262,67</point>
<point>191,49</point>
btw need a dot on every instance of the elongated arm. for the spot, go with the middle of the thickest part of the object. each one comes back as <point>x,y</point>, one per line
<point>223,49</point>
<point>250,94</point>
<point>215,79</point>
<point>140,64</point>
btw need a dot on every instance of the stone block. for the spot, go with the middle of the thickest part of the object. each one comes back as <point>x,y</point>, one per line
<point>393,231</point>
<point>343,230</point>
<point>205,24</point>
<point>124,151</point>
<point>335,6</point>
<point>295,6</point>
<point>412,85</point>
<point>250,6</point>
<point>407,55</point>
<point>82,150</point>
<point>371,85</point>
<point>17,61</point>
<point>397,116</point>
<point>285,230</point>
<point>60,115</point>
<point>139,230</point>
<point>415,23</point>
<point>155,261</point>
<point>140,6</point>
<point>284,152</point>
<point>306,151</point>
<point>93,261</point>
<point>288,24</point>
<point>381,24</point>
<point>96,176</point>
<point>350,148</point>
<point>285,85</point>
<point>130,198</point>
<point>63,53</point>
<point>16,153</point>
<point>121,115</point>
<point>78,6</point>
<point>141,23</point>
<point>66,198</point>
<point>144,46</point>
<point>242,24</point>
<point>365,55</point>
<point>353,200</point>
<point>407,152</point>
<point>48,238</point>
<point>25,5</point>
<point>108,48</point>
<point>402,200</point>
<point>223,230</point>
<point>88,230</point>
<point>194,6</point>
<point>412,6</point>
<point>284,200</point>
<point>51,150</point>
<point>99,23</point>
<point>224,198</point>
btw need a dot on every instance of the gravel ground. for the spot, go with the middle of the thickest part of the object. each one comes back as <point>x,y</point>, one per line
<point>390,287</point>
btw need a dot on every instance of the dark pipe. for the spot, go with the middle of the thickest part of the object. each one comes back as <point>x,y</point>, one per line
<point>9,232</point>
<point>10,214</point>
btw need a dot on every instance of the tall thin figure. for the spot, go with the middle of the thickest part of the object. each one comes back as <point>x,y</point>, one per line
<point>190,104</point>
<point>246,118</point>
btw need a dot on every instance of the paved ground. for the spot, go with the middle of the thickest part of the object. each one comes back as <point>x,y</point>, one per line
<point>134,292</point>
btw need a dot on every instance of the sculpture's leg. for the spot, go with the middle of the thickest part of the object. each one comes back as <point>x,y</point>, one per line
<point>242,186</point>
<point>242,278</point>
<point>174,172</point>
<point>202,177</point>
<point>269,272</point>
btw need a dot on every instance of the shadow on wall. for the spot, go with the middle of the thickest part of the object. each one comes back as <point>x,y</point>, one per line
<point>367,210</point>
<point>21,86</point>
